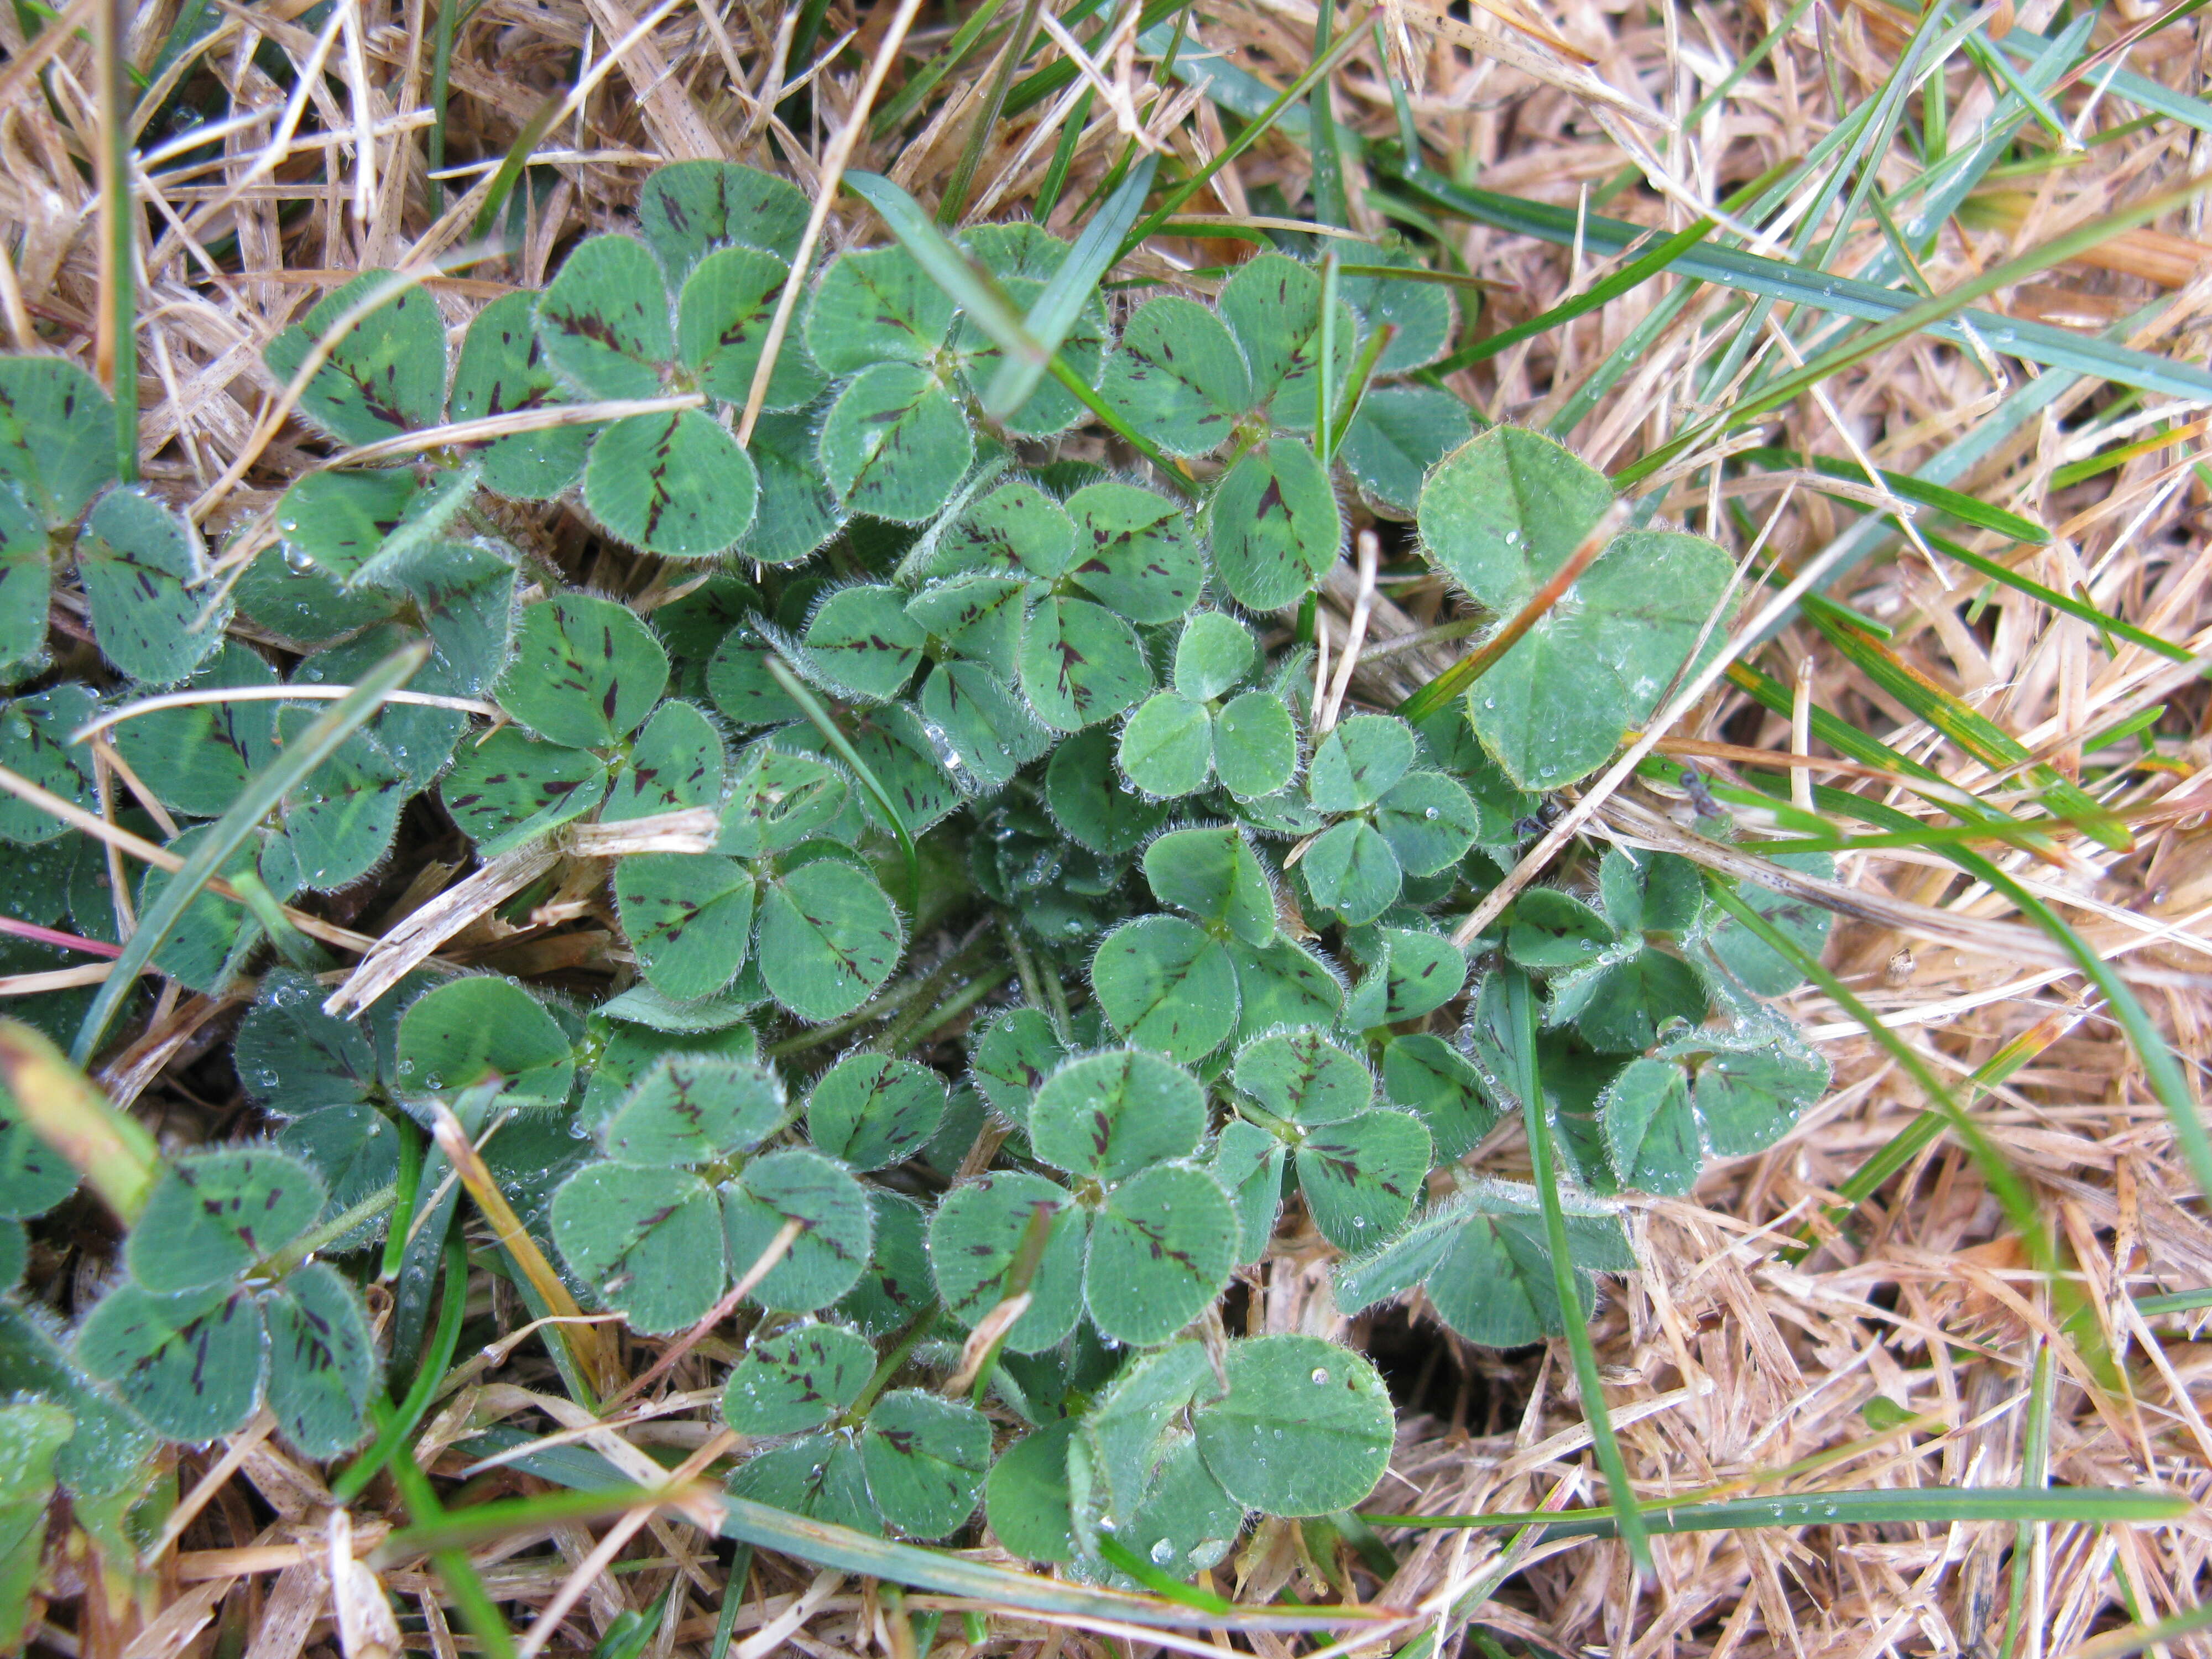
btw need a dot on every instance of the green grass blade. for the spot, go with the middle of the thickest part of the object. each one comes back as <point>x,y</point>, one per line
<point>1521,1018</point>
<point>2180,1302</point>
<point>954,201</point>
<point>1330,206</point>
<point>2086,612</point>
<point>1952,502</point>
<point>969,287</point>
<point>394,1425</point>
<point>119,219</point>
<point>1934,1506</point>
<point>964,40</point>
<point>290,767</point>
<point>1034,90</point>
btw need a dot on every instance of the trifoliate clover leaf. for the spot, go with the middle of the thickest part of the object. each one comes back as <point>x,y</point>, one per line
<point>1025,1497</point>
<point>896,444</point>
<point>1349,868</point>
<point>1087,801</point>
<point>473,1030</point>
<point>1166,984</point>
<point>510,788</point>
<point>1302,1077</point>
<point>1553,930</point>
<point>1051,408</point>
<point>795,514</point>
<point>464,594</point>
<point>863,642</point>
<point>688,209</point>
<point>1162,1245</point>
<point>676,484</point>
<point>979,1236</point>
<point>677,762</point>
<point>797,1379</point>
<point>1273,305</point>
<point>1358,762</point>
<point>214,1213</point>
<point>1429,821</point>
<point>342,818</point>
<point>819,1477</point>
<point>1212,653</point>
<point>339,522</point>
<point>1362,1176</point>
<point>1179,377</point>
<point>1255,746</point>
<point>418,740</point>
<point>1620,1000</point>
<point>189,1365</point>
<point>1650,892</point>
<point>741,686</point>
<point>141,566</point>
<point>1214,876</point>
<point>1760,967</point>
<point>896,1285</point>
<point>834,1228</point>
<point>1274,524</point>
<point>1304,1429</point>
<point>1734,1092</point>
<point>1283,985</point>
<point>1248,1162</point>
<point>926,1458</point>
<point>1012,1057</point>
<point>872,1111</point>
<point>1398,434</point>
<point>1420,968</point>
<point>1422,314</point>
<point>355,1151</point>
<point>689,917</point>
<point>1016,529</point>
<point>632,1049</point>
<point>198,757</point>
<point>57,436</point>
<point>778,800</point>
<point>503,370</point>
<point>586,670</point>
<point>976,614</point>
<point>982,731</point>
<point>691,1109</point>
<point>1166,747</point>
<point>384,378</point>
<point>1483,1259</point>
<point>322,1362</point>
<point>1428,1077</point>
<point>648,1242</point>
<point>603,319</point>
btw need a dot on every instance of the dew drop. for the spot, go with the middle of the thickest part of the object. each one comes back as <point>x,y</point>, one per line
<point>1430,813</point>
<point>1319,1375</point>
<point>1162,1553</point>
<point>297,560</point>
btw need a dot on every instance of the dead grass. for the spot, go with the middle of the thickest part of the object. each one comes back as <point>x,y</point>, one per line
<point>1724,1362</point>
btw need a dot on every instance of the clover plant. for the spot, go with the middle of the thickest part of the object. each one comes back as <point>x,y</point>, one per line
<point>891,652</point>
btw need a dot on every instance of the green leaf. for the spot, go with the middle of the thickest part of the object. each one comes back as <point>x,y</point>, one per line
<point>31,1433</point>
<point>1274,524</point>
<point>1399,434</point>
<point>1761,968</point>
<point>796,513</point>
<point>871,1111</point>
<point>1283,985</point>
<point>420,741</point>
<point>1301,1076</point>
<point>695,1108</point>
<point>1505,510</point>
<point>926,1458</point>
<point>1134,552</point>
<point>1166,747</point>
<point>1620,1001</point>
<point>800,1378</point>
<point>33,1176</point>
<point>341,819</point>
<point>503,370</point>
<point>471,1030</point>
<point>1429,821</point>
<point>57,435</point>
<point>1212,653</point>
<point>778,800</point>
<point>139,562</point>
<point>1178,377</point>
<point>648,1242</point>
<point>861,641</point>
<point>689,918</point>
<point>1350,869</point>
<point>1255,746</point>
<point>339,521</point>
<point>214,1213</point>
<point>110,1455</point>
<point>1015,1053</point>
<point>603,319</point>
<point>1424,971</point>
<point>322,1362</point>
<point>1166,985</point>
<point>982,733</point>
<point>586,670</point>
<point>189,1365</point>
<point>1087,801</point>
<point>676,762</point>
<point>511,789</point>
<point>355,1151</point>
<point>464,594</point>
<point>877,307</point>
<point>385,379</point>
<point>977,1237</point>
<point>819,1477</point>
<point>722,320</point>
<point>1248,1162</point>
<point>1485,1263</point>
<point>1080,664</point>
<point>1108,1115</point>
<point>1362,1176</point>
<point>1272,306</point>
<point>1422,312</point>
<point>1660,893</point>
<point>1215,876</point>
<point>1359,761</point>
<point>1016,530</point>
<point>896,444</point>
<point>631,1050</point>
<point>827,939</point>
<point>676,484</point>
<point>977,615</point>
<point>1304,1429</point>
<point>739,681</point>
<point>1161,1250</point>
<point>197,758</point>
<point>27,580</point>
<point>1430,1078</point>
<point>835,1222</point>
<point>688,209</point>
<point>1025,1497</point>
<point>895,1285</point>
<point>207,942</point>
